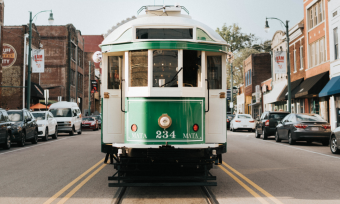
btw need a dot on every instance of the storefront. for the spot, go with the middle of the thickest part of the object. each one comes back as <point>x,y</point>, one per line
<point>296,103</point>
<point>271,99</point>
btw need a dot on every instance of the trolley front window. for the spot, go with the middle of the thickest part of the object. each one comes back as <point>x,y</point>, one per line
<point>215,72</point>
<point>138,68</point>
<point>113,76</point>
<point>165,68</point>
<point>164,33</point>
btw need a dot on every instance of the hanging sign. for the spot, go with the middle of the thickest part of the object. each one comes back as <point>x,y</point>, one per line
<point>38,61</point>
<point>9,55</point>
<point>280,62</point>
<point>94,86</point>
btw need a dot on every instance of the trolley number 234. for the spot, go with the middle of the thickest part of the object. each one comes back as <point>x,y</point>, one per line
<point>165,134</point>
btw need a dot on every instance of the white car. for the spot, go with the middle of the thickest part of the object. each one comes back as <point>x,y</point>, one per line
<point>47,124</point>
<point>242,122</point>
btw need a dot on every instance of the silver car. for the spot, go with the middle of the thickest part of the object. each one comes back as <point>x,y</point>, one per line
<point>335,137</point>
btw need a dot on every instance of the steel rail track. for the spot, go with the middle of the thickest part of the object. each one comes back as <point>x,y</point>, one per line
<point>121,195</point>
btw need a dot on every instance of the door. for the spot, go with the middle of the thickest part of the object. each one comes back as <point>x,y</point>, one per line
<point>115,88</point>
<point>216,116</point>
<point>49,123</point>
<point>262,122</point>
<point>29,125</point>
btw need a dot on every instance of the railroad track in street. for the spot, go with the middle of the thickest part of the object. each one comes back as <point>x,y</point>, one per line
<point>210,198</point>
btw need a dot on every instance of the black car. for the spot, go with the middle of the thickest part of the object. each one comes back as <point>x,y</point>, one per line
<point>266,125</point>
<point>24,127</point>
<point>229,119</point>
<point>303,127</point>
<point>5,130</point>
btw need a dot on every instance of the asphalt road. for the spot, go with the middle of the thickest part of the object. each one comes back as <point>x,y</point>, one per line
<point>71,170</point>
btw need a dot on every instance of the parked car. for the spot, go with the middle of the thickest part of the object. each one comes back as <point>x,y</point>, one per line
<point>266,124</point>
<point>242,122</point>
<point>24,127</point>
<point>303,127</point>
<point>90,122</point>
<point>5,130</point>
<point>229,119</point>
<point>99,118</point>
<point>68,117</point>
<point>334,138</point>
<point>47,124</point>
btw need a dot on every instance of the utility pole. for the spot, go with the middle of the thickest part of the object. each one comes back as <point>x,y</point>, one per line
<point>89,111</point>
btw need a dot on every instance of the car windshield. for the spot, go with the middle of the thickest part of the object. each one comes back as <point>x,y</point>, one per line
<point>97,117</point>
<point>15,116</point>
<point>311,118</point>
<point>39,116</point>
<point>244,116</point>
<point>88,119</point>
<point>278,116</point>
<point>61,112</point>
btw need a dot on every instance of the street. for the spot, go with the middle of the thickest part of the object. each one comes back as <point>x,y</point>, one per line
<point>71,170</point>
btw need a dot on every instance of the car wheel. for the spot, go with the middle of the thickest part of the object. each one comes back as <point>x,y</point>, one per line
<point>277,138</point>
<point>233,130</point>
<point>334,146</point>
<point>22,141</point>
<point>290,139</point>
<point>79,133</point>
<point>265,136</point>
<point>35,139</point>
<point>257,135</point>
<point>7,145</point>
<point>72,132</point>
<point>55,136</point>
<point>46,135</point>
<point>325,143</point>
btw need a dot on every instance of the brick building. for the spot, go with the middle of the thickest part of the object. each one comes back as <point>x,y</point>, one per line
<point>257,68</point>
<point>92,43</point>
<point>14,73</point>
<point>64,63</point>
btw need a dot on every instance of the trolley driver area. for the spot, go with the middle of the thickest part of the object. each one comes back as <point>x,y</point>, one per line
<point>166,165</point>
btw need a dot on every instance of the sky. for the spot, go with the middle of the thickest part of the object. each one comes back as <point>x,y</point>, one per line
<point>95,17</point>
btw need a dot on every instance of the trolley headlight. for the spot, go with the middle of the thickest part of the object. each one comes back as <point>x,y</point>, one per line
<point>134,128</point>
<point>164,121</point>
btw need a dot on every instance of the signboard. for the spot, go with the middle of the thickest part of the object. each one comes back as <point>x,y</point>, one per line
<point>9,55</point>
<point>94,86</point>
<point>38,61</point>
<point>280,62</point>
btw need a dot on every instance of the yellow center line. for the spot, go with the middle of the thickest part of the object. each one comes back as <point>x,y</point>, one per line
<point>71,193</point>
<point>275,200</point>
<point>55,196</point>
<point>244,186</point>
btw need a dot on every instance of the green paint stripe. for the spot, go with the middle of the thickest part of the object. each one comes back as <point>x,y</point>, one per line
<point>163,45</point>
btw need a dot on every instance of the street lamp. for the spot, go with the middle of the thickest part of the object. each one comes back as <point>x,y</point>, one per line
<point>266,28</point>
<point>50,21</point>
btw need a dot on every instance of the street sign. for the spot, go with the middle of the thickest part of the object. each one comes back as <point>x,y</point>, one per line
<point>38,61</point>
<point>9,55</point>
<point>94,86</point>
<point>46,95</point>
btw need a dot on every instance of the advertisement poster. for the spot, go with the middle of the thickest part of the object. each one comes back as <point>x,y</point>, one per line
<point>38,61</point>
<point>9,55</point>
<point>94,86</point>
<point>280,62</point>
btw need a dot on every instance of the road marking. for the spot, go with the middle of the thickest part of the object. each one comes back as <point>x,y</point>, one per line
<point>244,185</point>
<point>71,193</point>
<point>305,150</point>
<point>253,184</point>
<point>55,196</point>
<point>35,145</point>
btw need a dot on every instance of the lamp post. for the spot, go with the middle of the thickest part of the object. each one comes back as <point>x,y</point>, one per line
<point>230,58</point>
<point>50,21</point>
<point>266,28</point>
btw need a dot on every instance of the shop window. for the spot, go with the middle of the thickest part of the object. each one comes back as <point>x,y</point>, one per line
<point>138,68</point>
<point>314,105</point>
<point>215,72</point>
<point>191,68</point>
<point>113,76</point>
<point>164,33</point>
<point>165,68</point>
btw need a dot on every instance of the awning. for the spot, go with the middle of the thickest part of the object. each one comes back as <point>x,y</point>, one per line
<point>312,86</point>
<point>293,90</point>
<point>254,104</point>
<point>276,91</point>
<point>36,90</point>
<point>332,87</point>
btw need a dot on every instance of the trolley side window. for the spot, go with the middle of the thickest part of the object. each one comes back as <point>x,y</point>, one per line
<point>165,68</point>
<point>138,68</point>
<point>164,33</point>
<point>191,68</point>
<point>113,77</point>
<point>215,72</point>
